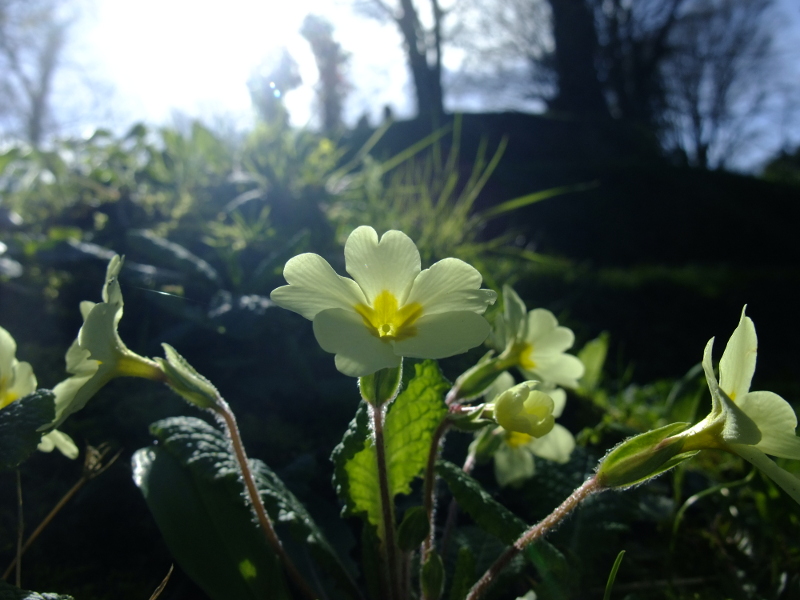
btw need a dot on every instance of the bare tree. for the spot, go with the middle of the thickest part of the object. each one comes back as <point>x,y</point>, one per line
<point>719,79</point>
<point>32,38</point>
<point>423,47</point>
<point>331,61</point>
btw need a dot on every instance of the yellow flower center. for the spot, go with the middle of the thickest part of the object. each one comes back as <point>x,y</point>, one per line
<point>386,320</point>
<point>526,358</point>
<point>515,439</point>
<point>6,396</point>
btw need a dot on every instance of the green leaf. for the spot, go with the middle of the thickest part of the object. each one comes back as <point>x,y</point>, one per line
<point>208,530</point>
<point>410,423</point>
<point>497,520</point>
<point>10,592</point>
<point>613,575</point>
<point>463,575</point>
<point>488,514</point>
<point>353,441</point>
<point>20,422</point>
<point>199,456</point>
<point>593,356</point>
<point>413,529</point>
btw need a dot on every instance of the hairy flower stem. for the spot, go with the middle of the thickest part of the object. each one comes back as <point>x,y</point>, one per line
<point>387,510</point>
<point>224,411</point>
<point>429,486</point>
<point>589,487</point>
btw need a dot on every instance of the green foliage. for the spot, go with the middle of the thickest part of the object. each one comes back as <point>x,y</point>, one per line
<point>413,529</point>
<point>423,192</point>
<point>192,486</point>
<point>9,592</point>
<point>20,424</point>
<point>497,520</point>
<point>410,423</point>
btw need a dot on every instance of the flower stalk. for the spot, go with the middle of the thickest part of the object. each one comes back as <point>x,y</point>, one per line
<point>589,487</point>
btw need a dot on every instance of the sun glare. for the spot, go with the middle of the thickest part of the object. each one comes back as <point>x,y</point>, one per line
<point>196,57</point>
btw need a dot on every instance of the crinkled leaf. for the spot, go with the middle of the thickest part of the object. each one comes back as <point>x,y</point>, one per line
<point>206,453</point>
<point>19,425</point>
<point>353,442</point>
<point>10,592</point>
<point>496,519</point>
<point>208,529</point>
<point>410,423</point>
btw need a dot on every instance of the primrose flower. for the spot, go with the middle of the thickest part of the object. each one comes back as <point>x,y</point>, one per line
<point>98,354</point>
<point>514,457</point>
<point>391,308</point>
<point>17,381</point>
<point>535,343</point>
<point>750,424</point>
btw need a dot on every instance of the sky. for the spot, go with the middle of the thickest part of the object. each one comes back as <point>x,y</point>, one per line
<point>196,56</point>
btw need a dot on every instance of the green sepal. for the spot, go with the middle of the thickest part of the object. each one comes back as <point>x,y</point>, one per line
<point>408,430</point>
<point>464,574</point>
<point>200,460</point>
<point>10,592</point>
<point>382,386</point>
<point>475,381</point>
<point>471,418</point>
<point>413,529</point>
<point>497,520</point>
<point>186,381</point>
<point>432,576</point>
<point>642,457</point>
<point>19,424</point>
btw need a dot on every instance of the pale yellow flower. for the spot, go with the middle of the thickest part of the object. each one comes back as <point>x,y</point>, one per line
<point>750,424</point>
<point>514,457</point>
<point>391,308</point>
<point>17,381</point>
<point>98,354</point>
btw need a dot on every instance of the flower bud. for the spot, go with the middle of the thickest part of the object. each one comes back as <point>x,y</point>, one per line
<point>643,456</point>
<point>525,410</point>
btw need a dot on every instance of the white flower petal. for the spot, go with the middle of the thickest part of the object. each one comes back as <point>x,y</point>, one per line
<point>314,286</point>
<point>738,362</point>
<point>442,335</point>
<point>540,322</point>
<point>777,422</point>
<point>450,285</point>
<point>788,482</point>
<point>555,341</point>
<point>60,440</point>
<point>24,381</point>
<point>556,445</point>
<point>8,350</point>
<point>389,264</point>
<point>560,369</point>
<point>711,379</point>
<point>513,465</point>
<point>358,352</point>
<point>559,397</point>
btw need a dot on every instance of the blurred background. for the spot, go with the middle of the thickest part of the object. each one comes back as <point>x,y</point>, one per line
<point>631,165</point>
